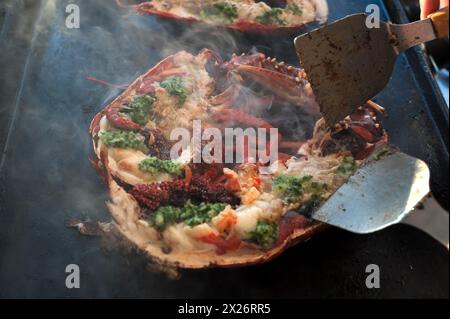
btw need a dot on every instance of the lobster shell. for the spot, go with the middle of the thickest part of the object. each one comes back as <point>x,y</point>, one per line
<point>126,211</point>
<point>321,9</point>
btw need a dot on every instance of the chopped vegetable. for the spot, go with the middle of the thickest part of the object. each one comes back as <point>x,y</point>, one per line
<point>265,234</point>
<point>140,109</point>
<point>165,216</point>
<point>193,215</point>
<point>225,10</point>
<point>289,187</point>
<point>175,86</point>
<point>123,139</point>
<point>292,188</point>
<point>271,16</point>
<point>190,214</point>
<point>347,167</point>
<point>156,165</point>
<point>317,188</point>
<point>294,8</point>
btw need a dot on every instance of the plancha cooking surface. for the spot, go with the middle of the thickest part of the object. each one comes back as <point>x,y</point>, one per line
<point>45,178</point>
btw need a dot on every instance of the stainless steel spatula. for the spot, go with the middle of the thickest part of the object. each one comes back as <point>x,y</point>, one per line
<point>384,192</point>
<point>348,63</point>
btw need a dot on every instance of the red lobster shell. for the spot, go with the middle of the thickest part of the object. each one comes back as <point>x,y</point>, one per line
<point>189,11</point>
<point>228,102</point>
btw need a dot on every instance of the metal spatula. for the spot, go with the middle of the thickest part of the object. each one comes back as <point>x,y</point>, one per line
<point>384,192</point>
<point>349,63</point>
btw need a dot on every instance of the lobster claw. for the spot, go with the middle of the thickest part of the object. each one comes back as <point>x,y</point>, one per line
<point>360,133</point>
<point>364,123</point>
<point>285,81</point>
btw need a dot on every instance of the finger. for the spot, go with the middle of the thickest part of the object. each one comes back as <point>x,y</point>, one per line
<point>429,6</point>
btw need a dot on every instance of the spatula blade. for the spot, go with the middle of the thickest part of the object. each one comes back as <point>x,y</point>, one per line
<point>347,64</point>
<point>379,194</point>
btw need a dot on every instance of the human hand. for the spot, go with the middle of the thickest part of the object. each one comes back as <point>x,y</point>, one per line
<point>430,6</point>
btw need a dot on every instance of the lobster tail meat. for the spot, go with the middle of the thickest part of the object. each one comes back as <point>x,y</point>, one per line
<point>242,15</point>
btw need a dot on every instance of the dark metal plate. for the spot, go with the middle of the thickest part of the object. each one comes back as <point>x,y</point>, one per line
<point>46,105</point>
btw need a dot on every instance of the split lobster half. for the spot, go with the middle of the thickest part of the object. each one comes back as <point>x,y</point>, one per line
<point>243,15</point>
<point>196,215</point>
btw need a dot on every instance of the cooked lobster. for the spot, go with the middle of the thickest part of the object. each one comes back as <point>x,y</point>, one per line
<point>243,15</point>
<point>222,214</point>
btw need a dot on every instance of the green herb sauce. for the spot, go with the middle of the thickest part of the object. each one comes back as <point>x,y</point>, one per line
<point>347,167</point>
<point>294,8</point>
<point>292,188</point>
<point>140,109</point>
<point>190,214</point>
<point>175,87</point>
<point>224,10</point>
<point>156,165</point>
<point>123,139</point>
<point>271,16</point>
<point>265,234</point>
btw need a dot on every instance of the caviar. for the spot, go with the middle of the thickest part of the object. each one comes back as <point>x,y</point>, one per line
<point>201,189</point>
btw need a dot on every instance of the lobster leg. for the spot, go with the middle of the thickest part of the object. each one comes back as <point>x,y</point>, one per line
<point>164,69</point>
<point>226,98</point>
<point>116,120</point>
<point>234,115</point>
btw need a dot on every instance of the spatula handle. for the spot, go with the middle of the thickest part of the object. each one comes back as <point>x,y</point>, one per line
<point>433,220</point>
<point>440,22</point>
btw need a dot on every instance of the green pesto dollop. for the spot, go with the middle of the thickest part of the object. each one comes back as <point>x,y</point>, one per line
<point>265,234</point>
<point>224,10</point>
<point>292,188</point>
<point>164,217</point>
<point>294,8</point>
<point>175,86</point>
<point>190,214</point>
<point>271,16</point>
<point>347,167</point>
<point>123,139</point>
<point>156,165</point>
<point>140,109</point>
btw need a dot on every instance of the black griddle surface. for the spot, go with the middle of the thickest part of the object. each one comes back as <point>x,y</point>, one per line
<point>46,105</point>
